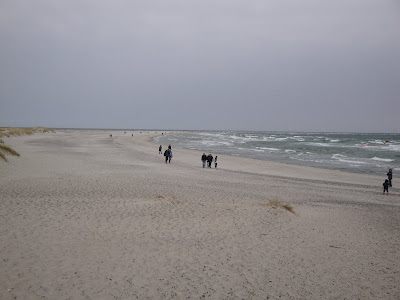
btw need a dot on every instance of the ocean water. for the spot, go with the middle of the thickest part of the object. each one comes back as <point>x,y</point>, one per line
<point>353,152</point>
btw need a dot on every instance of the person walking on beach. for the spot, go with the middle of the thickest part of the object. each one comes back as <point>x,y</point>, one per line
<point>166,154</point>
<point>209,159</point>
<point>170,155</point>
<point>215,161</point>
<point>390,176</point>
<point>204,159</point>
<point>386,187</point>
<point>160,149</point>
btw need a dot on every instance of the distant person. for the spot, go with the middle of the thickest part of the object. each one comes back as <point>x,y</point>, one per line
<point>210,160</point>
<point>390,176</point>
<point>170,155</point>
<point>215,161</point>
<point>386,187</point>
<point>132,134</point>
<point>160,149</point>
<point>204,159</point>
<point>166,154</point>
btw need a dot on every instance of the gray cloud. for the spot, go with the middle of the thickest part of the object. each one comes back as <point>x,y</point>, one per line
<point>280,65</point>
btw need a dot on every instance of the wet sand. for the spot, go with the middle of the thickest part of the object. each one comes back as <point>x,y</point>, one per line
<point>86,216</point>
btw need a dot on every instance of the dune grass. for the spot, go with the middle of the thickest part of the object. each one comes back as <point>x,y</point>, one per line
<point>3,157</point>
<point>12,131</point>
<point>9,150</point>
<point>278,204</point>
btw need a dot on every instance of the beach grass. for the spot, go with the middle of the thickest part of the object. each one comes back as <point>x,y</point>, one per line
<point>277,204</point>
<point>8,149</point>
<point>12,131</point>
<point>3,157</point>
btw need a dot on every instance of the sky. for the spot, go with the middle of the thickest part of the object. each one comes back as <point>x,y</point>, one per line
<point>285,65</point>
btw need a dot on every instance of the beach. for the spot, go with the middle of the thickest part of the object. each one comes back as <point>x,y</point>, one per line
<point>89,216</point>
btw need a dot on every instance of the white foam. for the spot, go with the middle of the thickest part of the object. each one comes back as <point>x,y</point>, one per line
<point>288,150</point>
<point>338,156</point>
<point>353,162</point>
<point>382,159</point>
<point>335,141</point>
<point>319,144</point>
<point>270,149</point>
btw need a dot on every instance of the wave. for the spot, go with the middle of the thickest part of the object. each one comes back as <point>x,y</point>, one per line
<point>319,144</point>
<point>270,149</point>
<point>382,159</point>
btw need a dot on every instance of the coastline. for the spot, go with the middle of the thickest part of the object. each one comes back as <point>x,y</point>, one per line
<point>333,151</point>
<point>86,216</point>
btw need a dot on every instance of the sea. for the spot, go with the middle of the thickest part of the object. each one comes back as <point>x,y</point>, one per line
<point>368,153</point>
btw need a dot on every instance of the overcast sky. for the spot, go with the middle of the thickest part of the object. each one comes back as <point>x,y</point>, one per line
<point>309,65</point>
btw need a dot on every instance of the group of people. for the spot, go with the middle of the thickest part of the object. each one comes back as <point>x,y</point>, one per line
<point>206,159</point>
<point>209,159</point>
<point>388,182</point>
<point>167,153</point>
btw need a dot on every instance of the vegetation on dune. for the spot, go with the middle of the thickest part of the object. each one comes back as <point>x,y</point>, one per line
<point>9,150</point>
<point>11,131</point>
<point>278,204</point>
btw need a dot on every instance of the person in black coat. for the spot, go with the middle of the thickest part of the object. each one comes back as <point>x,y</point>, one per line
<point>166,154</point>
<point>390,176</point>
<point>210,160</point>
<point>204,159</point>
<point>386,186</point>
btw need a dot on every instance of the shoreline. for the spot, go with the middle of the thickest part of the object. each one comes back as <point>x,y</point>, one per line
<point>334,159</point>
<point>86,216</point>
<point>280,169</point>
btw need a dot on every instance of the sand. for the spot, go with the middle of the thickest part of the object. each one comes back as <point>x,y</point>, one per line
<point>86,216</point>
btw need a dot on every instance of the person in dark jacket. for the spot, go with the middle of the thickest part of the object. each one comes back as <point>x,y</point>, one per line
<point>166,154</point>
<point>160,149</point>
<point>386,187</point>
<point>204,159</point>
<point>215,161</point>
<point>390,176</point>
<point>209,160</point>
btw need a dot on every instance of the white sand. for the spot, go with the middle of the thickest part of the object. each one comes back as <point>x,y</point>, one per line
<point>85,216</point>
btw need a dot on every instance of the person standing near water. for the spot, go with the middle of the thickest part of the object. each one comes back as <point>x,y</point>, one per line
<point>390,177</point>
<point>386,187</point>
<point>160,149</point>
<point>215,161</point>
<point>204,159</point>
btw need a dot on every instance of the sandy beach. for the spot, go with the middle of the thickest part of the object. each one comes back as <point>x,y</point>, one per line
<point>87,216</point>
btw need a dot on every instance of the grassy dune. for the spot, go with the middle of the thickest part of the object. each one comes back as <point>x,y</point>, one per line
<point>11,131</point>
